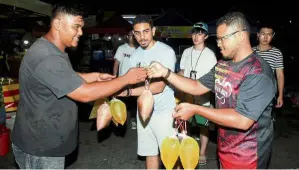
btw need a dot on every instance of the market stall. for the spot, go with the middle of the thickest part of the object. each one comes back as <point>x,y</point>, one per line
<point>18,18</point>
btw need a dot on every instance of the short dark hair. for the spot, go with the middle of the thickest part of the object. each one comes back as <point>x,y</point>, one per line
<point>198,30</point>
<point>65,10</point>
<point>265,25</point>
<point>143,19</point>
<point>236,19</point>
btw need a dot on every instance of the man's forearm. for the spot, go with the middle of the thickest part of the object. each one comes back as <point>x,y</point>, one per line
<point>115,67</point>
<point>92,91</point>
<point>155,87</point>
<point>187,85</point>
<point>225,117</point>
<point>280,81</point>
<point>89,77</point>
<point>181,73</point>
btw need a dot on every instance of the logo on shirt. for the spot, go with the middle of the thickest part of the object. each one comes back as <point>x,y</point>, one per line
<point>223,89</point>
<point>126,55</point>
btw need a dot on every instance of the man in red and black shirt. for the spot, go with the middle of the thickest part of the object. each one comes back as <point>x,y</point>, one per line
<point>244,86</point>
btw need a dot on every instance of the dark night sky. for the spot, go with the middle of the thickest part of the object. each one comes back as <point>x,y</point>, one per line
<point>278,14</point>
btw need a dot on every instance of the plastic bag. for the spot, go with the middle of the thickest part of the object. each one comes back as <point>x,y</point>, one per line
<point>103,116</point>
<point>145,103</point>
<point>97,104</point>
<point>114,121</point>
<point>189,152</point>
<point>118,111</point>
<point>170,151</point>
<point>181,145</point>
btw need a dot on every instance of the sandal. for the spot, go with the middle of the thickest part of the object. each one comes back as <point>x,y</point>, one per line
<point>202,160</point>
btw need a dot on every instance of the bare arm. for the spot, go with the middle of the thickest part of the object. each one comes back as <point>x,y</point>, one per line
<point>181,73</point>
<point>94,77</point>
<point>155,87</point>
<point>89,77</point>
<point>92,91</point>
<point>115,67</point>
<point>183,84</point>
<point>187,85</point>
<point>280,82</point>
<point>225,117</point>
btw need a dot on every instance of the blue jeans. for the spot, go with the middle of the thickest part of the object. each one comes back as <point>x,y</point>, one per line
<point>27,161</point>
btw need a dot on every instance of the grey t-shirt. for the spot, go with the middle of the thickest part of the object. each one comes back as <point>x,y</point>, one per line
<point>47,120</point>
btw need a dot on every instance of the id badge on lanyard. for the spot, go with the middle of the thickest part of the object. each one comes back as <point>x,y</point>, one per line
<point>193,74</point>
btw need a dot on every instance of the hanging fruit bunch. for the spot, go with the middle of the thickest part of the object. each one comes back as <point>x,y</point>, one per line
<point>118,111</point>
<point>145,103</point>
<point>189,152</point>
<point>105,111</point>
<point>103,116</point>
<point>180,145</point>
<point>170,151</point>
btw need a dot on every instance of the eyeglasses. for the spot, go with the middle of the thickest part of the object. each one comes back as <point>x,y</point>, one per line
<point>220,39</point>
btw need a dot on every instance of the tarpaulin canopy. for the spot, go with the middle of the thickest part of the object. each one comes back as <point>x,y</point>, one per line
<point>24,15</point>
<point>30,5</point>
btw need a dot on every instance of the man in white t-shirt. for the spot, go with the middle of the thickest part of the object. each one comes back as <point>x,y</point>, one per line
<point>196,61</point>
<point>122,56</point>
<point>150,135</point>
<point>121,66</point>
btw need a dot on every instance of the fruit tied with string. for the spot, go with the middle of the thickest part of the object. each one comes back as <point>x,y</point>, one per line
<point>118,111</point>
<point>170,151</point>
<point>180,145</point>
<point>189,149</point>
<point>145,102</point>
<point>103,116</point>
<point>189,152</point>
